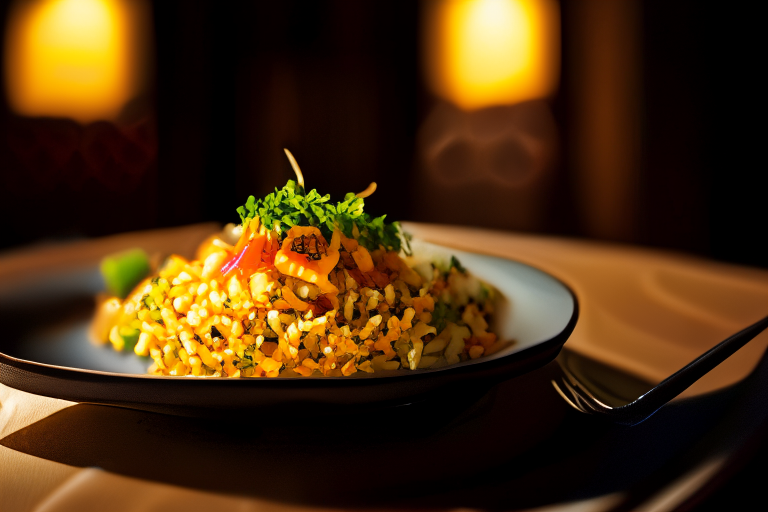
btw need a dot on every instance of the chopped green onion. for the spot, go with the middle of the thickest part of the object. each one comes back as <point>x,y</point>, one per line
<point>130,336</point>
<point>124,270</point>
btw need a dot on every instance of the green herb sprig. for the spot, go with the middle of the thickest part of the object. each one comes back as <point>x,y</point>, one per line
<point>292,206</point>
<point>444,313</point>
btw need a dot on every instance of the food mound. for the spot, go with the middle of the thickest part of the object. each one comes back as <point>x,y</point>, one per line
<point>303,287</point>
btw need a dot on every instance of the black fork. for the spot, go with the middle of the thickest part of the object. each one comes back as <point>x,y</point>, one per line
<point>580,398</point>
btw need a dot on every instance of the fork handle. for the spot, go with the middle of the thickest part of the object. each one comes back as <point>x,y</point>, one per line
<point>682,379</point>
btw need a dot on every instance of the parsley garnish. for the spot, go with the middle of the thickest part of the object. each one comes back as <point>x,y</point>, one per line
<point>293,206</point>
<point>455,263</point>
<point>443,314</point>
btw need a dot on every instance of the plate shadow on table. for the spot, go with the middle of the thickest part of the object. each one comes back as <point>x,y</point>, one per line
<point>514,446</point>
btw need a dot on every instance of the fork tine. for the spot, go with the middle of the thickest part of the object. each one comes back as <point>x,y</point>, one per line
<point>578,396</point>
<point>565,397</point>
<point>575,397</point>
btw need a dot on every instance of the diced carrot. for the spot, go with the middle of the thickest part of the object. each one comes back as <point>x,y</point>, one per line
<point>247,260</point>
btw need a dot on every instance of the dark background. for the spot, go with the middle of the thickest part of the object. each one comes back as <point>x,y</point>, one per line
<point>339,83</point>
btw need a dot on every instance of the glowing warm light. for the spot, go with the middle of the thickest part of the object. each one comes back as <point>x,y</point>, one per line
<point>480,53</point>
<point>72,58</point>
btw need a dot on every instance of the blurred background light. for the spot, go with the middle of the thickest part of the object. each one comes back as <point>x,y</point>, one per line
<point>77,59</point>
<point>78,131</point>
<point>488,144</point>
<point>481,53</point>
